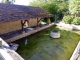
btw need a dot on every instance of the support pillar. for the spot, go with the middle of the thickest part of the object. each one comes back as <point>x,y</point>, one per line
<point>48,21</point>
<point>22,24</point>
<point>38,23</point>
<point>22,30</point>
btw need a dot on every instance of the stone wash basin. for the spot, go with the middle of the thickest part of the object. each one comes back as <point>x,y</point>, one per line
<point>55,34</point>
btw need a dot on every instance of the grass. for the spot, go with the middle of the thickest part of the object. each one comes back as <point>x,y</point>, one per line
<point>42,47</point>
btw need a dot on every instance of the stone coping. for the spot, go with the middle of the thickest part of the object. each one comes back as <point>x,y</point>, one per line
<point>76,53</point>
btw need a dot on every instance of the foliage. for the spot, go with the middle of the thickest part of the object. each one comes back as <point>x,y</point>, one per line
<point>8,1</point>
<point>56,7</point>
<point>76,21</point>
<point>68,19</point>
<point>51,7</point>
<point>74,7</point>
<point>63,6</point>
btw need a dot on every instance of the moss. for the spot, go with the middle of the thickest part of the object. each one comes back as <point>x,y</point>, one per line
<point>42,47</point>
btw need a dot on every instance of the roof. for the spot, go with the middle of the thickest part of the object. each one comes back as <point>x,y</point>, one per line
<point>35,11</point>
<point>10,12</point>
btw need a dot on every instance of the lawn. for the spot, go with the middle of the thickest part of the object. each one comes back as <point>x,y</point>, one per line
<point>42,47</point>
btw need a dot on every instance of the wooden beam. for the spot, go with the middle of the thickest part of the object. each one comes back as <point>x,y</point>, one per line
<point>22,26</point>
<point>48,21</point>
<point>38,20</point>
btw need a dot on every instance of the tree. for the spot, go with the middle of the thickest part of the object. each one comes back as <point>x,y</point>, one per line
<point>8,1</point>
<point>49,5</point>
<point>74,7</point>
<point>56,7</point>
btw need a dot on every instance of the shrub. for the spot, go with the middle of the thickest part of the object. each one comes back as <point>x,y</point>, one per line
<point>68,19</point>
<point>76,20</point>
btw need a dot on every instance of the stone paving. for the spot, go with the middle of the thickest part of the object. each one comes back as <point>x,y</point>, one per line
<point>70,26</point>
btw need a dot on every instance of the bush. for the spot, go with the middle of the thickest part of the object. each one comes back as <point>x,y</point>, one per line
<point>68,19</point>
<point>76,20</point>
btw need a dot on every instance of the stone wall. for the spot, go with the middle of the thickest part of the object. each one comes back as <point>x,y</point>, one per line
<point>15,25</point>
<point>9,26</point>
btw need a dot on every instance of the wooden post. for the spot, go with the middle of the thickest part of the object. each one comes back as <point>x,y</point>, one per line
<point>22,27</point>
<point>38,23</point>
<point>48,21</point>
